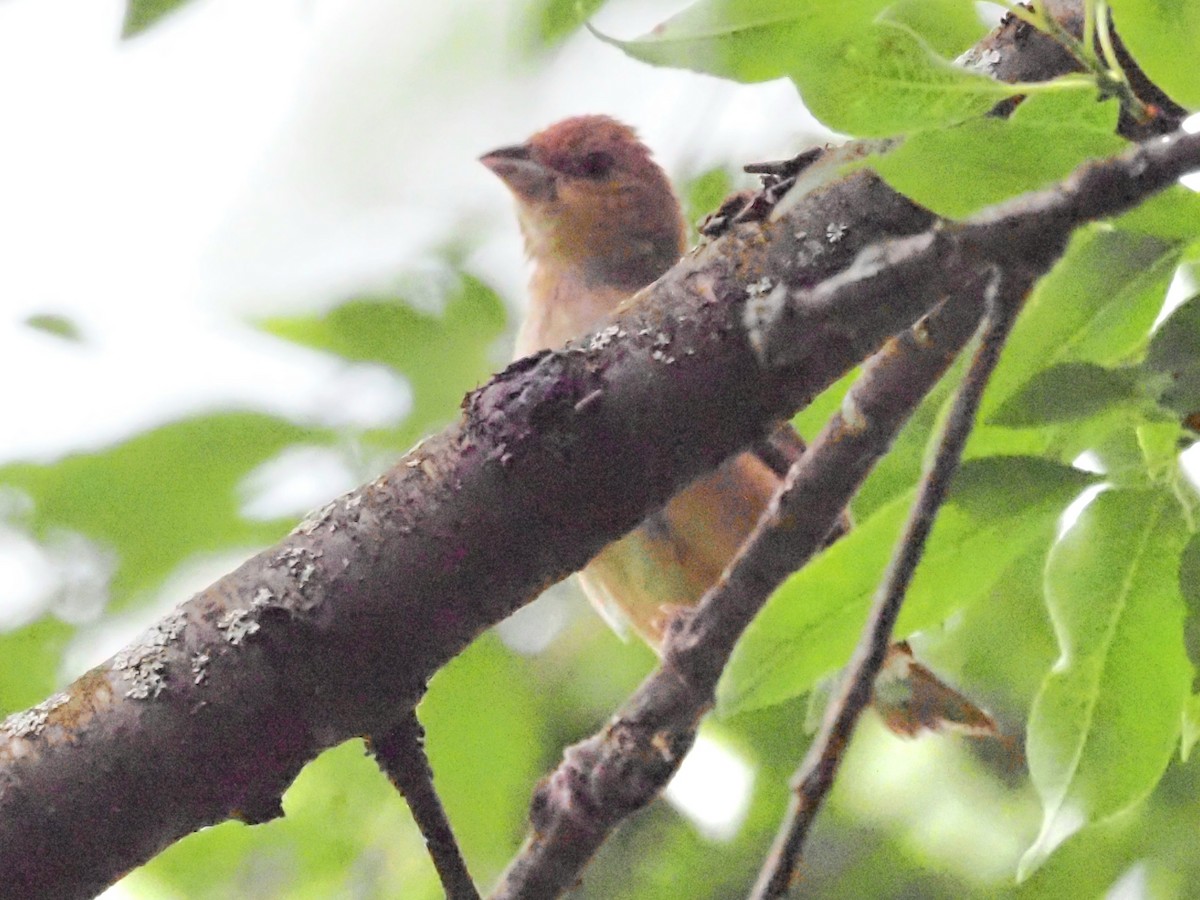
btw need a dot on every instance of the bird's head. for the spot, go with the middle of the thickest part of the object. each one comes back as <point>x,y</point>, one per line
<point>591,200</point>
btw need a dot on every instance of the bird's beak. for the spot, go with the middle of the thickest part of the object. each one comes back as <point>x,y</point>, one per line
<point>525,176</point>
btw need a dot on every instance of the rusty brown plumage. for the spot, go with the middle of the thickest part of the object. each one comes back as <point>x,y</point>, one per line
<point>601,221</point>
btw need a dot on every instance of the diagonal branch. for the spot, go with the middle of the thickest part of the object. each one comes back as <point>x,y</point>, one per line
<point>607,777</point>
<point>1004,297</point>
<point>333,633</point>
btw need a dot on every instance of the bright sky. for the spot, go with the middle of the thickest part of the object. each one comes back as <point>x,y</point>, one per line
<point>251,157</point>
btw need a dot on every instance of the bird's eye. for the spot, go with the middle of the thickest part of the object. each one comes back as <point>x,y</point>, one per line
<point>596,164</point>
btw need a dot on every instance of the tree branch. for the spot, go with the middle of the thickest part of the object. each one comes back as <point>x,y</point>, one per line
<point>333,633</point>
<point>606,778</point>
<point>819,769</point>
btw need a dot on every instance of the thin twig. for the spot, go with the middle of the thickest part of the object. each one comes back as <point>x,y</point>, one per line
<point>820,766</point>
<point>401,755</point>
<point>606,778</point>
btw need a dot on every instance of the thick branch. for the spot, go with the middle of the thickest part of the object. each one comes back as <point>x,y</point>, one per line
<point>333,633</point>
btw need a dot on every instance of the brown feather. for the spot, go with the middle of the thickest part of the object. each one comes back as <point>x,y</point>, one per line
<point>601,221</point>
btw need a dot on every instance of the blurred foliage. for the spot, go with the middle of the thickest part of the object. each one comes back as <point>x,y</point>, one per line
<point>31,656</point>
<point>160,497</point>
<point>141,14</point>
<point>173,493</point>
<point>59,326</point>
<point>442,355</point>
<point>553,21</point>
<point>1085,638</point>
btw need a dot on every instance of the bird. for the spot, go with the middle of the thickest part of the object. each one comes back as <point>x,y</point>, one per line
<point>600,221</point>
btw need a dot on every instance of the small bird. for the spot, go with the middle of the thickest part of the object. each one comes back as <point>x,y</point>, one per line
<point>600,222</point>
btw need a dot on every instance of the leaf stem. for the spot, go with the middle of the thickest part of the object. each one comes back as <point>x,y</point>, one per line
<point>1106,73</point>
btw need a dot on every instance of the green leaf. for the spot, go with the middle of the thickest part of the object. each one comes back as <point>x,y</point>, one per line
<point>1108,716</point>
<point>1002,644</point>
<point>1158,443</point>
<point>948,26</point>
<point>884,80</point>
<point>1173,215</point>
<point>1097,305</point>
<point>159,497</point>
<point>958,170</point>
<point>1162,36</point>
<point>745,40</point>
<point>1000,508</point>
<point>1172,365</point>
<point>855,73</point>
<point>900,469</point>
<point>59,326</point>
<point>553,21</point>
<point>141,14</point>
<point>1064,393</point>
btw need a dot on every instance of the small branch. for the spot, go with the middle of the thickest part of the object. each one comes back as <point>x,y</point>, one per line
<point>1004,297</point>
<point>401,755</point>
<point>608,777</point>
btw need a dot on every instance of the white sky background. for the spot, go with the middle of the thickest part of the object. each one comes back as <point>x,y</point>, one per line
<point>254,157</point>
